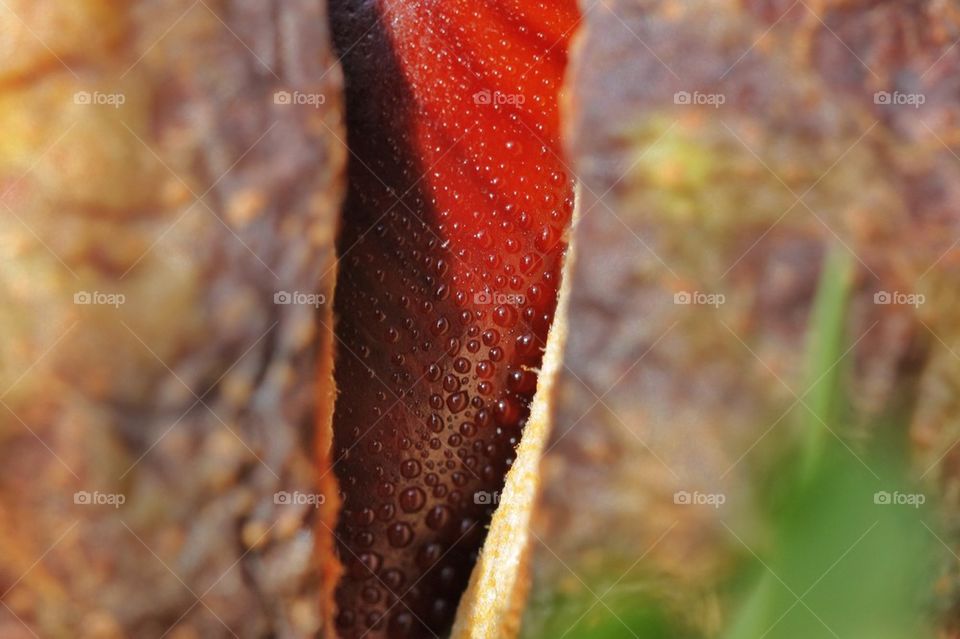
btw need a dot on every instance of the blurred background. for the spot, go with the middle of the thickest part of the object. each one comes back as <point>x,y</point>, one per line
<point>756,433</point>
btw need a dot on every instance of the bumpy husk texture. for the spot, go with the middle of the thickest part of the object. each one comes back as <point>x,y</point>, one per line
<point>722,147</point>
<point>159,208</point>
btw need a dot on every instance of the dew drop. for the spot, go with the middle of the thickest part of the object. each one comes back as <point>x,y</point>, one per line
<point>410,468</point>
<point>437,517</point>
<point>461,365</point>
<point>412,499</point>
<point>458,401</point>
<point>400,535</point>
<point>451,383</point>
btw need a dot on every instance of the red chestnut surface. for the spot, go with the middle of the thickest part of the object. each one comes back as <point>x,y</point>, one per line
<point>451,248</point>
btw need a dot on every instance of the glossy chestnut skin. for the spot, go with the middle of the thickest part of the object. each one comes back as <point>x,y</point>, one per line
<point>451,247</point>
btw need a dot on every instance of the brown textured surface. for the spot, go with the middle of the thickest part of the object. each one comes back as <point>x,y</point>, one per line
<point>197,199</point>
<point>657,397</point>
